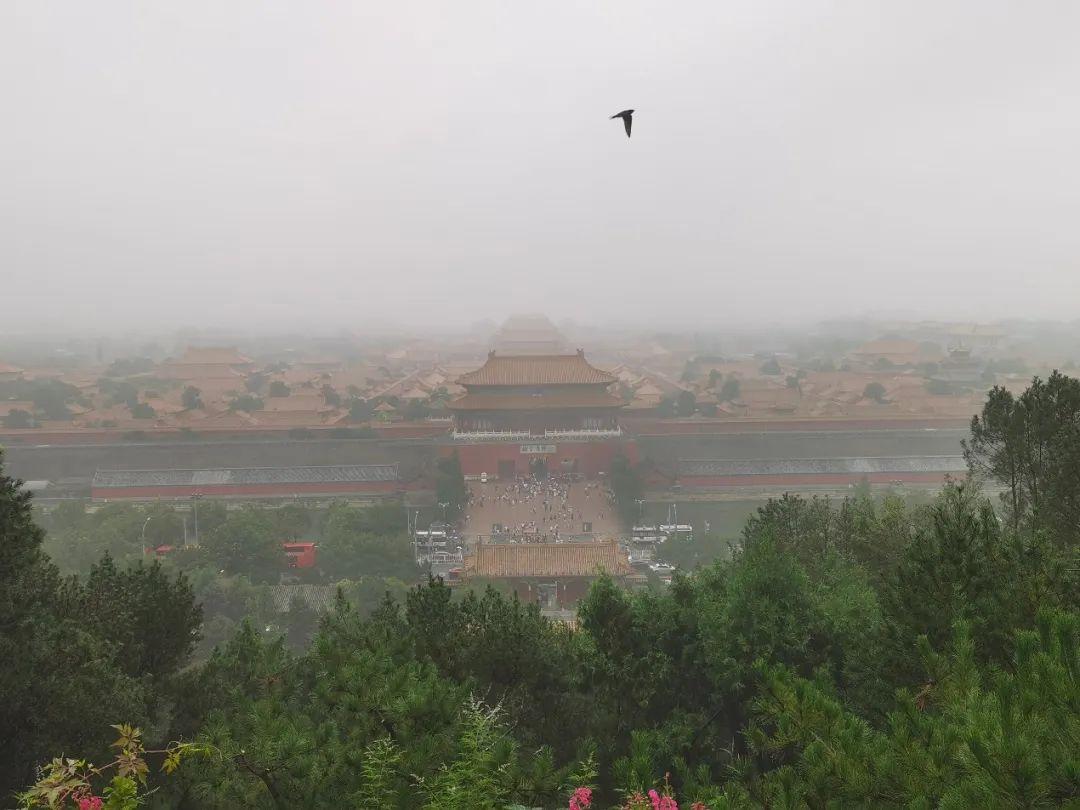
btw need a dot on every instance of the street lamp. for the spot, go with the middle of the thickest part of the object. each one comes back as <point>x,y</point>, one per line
<point>195,506</point>
<point>640,509</point>
<point>142,534</point>
<point>444,504</point>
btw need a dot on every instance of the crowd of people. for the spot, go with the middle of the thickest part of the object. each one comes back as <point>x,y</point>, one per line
<point>547,506</point>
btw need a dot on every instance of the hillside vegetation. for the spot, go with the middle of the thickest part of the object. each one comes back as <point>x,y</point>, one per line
<point>849,654</point>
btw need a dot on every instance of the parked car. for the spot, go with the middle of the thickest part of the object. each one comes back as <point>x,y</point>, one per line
<point>661,568</point>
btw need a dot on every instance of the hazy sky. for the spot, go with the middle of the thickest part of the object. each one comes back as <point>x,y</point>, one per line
<point>343,163</point>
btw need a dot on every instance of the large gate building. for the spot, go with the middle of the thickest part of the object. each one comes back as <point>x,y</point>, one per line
<point>521,413</point>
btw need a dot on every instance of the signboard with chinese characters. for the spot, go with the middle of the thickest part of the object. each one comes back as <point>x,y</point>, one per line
<point>538,449</point>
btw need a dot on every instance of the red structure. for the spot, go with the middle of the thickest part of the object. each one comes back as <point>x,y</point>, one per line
<point>505,460</point>
<point>300,554</point>
<point>526,413</point>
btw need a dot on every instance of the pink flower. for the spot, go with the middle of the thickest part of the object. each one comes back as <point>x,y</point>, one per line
<point>668,803</point>
<point>581,799</point>
<point>90,803</point>
<point>655,798</point>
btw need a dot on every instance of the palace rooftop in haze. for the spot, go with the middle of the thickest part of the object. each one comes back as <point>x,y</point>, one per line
<point>549,369</point>
<point>557,575</point>
<point>528,560</point>
<point>536,395</point>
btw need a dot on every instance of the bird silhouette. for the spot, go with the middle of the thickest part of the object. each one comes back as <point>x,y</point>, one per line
<point>627,117</point>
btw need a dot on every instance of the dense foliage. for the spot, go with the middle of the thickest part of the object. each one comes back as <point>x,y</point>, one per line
<point>450,487</point>
<point>626,488</point>
<point>240,562</point>
<point>869,653</point>
<point>77,655</point>
<point>1031,445</point>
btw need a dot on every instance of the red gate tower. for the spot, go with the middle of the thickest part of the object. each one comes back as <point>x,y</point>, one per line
<point>521,412</point>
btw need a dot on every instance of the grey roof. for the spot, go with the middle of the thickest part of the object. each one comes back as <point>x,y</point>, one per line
<point>250,475</point>
<point>818,466</point>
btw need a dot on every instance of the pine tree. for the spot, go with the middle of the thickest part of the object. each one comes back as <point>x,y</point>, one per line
<point>60,685</point>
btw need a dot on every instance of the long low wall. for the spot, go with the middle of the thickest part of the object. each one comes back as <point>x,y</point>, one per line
<point>243,491</point>
<point>75,465</point>
<point>37,436</point>
<point>796,480</point>
<point>78,463</point>
<point>653,426</point>
<point>668,450</point>
<point>845,465</point>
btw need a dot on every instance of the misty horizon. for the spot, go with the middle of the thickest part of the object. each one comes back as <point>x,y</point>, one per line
<point>288,168</point>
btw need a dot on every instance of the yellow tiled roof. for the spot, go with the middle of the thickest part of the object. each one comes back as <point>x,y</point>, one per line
<point>538,369</point>
<point>503,560</point>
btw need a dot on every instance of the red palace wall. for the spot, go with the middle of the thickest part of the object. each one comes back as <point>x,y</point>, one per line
<point>250,491</point>
<point>571,590</point>
<point>592,458</point>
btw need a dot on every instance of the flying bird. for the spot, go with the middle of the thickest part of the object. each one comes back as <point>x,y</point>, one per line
<point>627,117</point>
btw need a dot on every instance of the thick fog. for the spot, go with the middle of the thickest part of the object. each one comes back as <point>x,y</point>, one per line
<point>353,163</point>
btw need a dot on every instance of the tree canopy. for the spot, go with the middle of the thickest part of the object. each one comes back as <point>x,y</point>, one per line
<point>874,391</point>
<point>76,656</point>
<point>1031,445</point>
<point>191,398</point>
<point>18,418</point>
<point>863,652</point>
<point>450,486</point>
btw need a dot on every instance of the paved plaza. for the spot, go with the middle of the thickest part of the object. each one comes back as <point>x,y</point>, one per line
<point>538,510</point>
